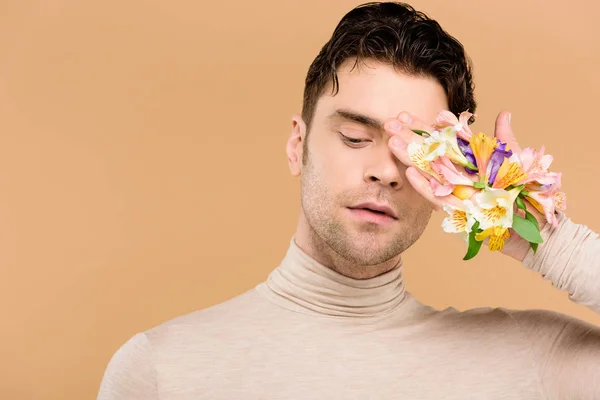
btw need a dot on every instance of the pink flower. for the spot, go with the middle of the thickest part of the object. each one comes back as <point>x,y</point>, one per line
<point>535,164</point>
<point>451,180</point>
<point>545,195</point>
<point>541,185</point>
<point>461,124</point>
<point>544,203</point>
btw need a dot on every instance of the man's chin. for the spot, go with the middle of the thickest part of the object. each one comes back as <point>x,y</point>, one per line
<point>369,248</point>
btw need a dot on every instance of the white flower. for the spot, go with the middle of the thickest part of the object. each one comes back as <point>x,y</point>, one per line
<point>494,207</point>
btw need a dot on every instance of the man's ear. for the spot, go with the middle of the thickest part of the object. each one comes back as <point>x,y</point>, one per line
<point>294,146</point>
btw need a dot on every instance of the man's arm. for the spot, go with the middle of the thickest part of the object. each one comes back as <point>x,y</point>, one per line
<point>570,259</point>
<point>566,350</point>
<point>131,373</point>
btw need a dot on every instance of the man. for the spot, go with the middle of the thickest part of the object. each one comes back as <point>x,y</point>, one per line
<point>333,320</point>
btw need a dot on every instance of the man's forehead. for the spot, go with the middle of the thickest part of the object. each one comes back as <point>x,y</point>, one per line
<point>380,92</point>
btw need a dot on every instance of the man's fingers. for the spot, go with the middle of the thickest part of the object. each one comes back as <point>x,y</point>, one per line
<point>504,132</point>
<point>423,187</point>
<point>403,125</point>
<point>401,131</point>
<point>400,149</point>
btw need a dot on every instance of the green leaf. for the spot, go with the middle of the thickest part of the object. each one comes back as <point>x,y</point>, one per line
<point>526,229</point>
<point>534,246</point>
<point>479,185</point>
<point>521,204</point>
<point>511,187</point>
<point>532,218</point>
<point>524,193</point>
<point>420,132</point>
<point>474,245</point>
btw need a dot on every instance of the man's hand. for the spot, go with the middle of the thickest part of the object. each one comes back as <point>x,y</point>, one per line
<point>400,129</point>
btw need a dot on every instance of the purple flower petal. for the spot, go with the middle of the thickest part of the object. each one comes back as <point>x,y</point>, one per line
<point>465,148</point>
<point>497,159</point>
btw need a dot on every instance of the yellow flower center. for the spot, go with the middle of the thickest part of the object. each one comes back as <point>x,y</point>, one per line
<point>418,159</point>
<point>494,214</point>
<point>459,220</point>
<point>508,174</point>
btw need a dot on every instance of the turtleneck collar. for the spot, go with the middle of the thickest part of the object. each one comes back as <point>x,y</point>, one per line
<point>302,284</point>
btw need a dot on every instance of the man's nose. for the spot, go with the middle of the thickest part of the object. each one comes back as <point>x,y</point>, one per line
<point>387,170</point>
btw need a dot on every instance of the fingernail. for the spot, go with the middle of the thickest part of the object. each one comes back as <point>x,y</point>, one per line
<point>395,125</point>
<point>397,143</point>
<point>405,118</point>
<point>508,117</point>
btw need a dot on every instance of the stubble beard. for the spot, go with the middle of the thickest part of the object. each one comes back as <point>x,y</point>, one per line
<point>368,246</point>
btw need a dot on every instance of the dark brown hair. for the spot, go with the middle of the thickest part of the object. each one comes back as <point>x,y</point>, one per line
<point>396,34</point>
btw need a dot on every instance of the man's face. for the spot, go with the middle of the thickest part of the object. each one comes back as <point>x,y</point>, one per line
<point>350,168</point>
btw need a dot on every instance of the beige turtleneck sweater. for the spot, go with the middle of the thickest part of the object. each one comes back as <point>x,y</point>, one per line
<point>308,332</point>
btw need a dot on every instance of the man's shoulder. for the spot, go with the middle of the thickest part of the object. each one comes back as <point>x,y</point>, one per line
<point>522,322</point>
<point>188,337</point>
<point>475,318</point>
<point>239,308</point>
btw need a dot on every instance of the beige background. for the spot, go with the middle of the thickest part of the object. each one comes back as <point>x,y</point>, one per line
<point>143,173</point>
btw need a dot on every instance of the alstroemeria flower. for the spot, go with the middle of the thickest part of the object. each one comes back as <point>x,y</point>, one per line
<point>510,173</point>
<point>417,155</point>
<point>494,211</point>
<point>544,203</point>
<point>483,147</point>
<point>535,163</point>
<point>493,178</point>
<point>465,148</point>
<point>494,207</point>
<point>464,192</point>
<point>461,124</point>
<point>451,179</point>
<point>459,220</point>
<point>546,196</point>
<point>444,142</point>
<point>435,145</point>
<point>551,181</point>
<point>497,237</point>
<point>500,154</point>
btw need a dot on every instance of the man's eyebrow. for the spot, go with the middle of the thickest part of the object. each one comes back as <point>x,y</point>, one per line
<point>353,116</point>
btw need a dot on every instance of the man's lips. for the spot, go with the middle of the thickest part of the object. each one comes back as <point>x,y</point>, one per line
<point>377,208</point>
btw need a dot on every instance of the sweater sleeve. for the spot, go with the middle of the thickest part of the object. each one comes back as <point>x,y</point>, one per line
<point>570,259</point>
<point>131,372</point>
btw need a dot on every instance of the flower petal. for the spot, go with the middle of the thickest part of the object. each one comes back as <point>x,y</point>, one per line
<point>416,154</point>
<point>464,192</point>
<point>465,133</point>
<point>497,237</point>
<point>483,147</point>
<point>512,174</point>
<point>560,200</point>
<point>444,167</point>
<point>499,155</point>
<point>544,203</point>
<point>445,118</point>
<point>440,190</point>
<point>455,222</point>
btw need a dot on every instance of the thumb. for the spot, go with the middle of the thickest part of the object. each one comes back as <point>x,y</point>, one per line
<point>504,132</point>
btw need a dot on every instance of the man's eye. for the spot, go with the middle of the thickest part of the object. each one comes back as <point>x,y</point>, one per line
<point>351,140</point>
